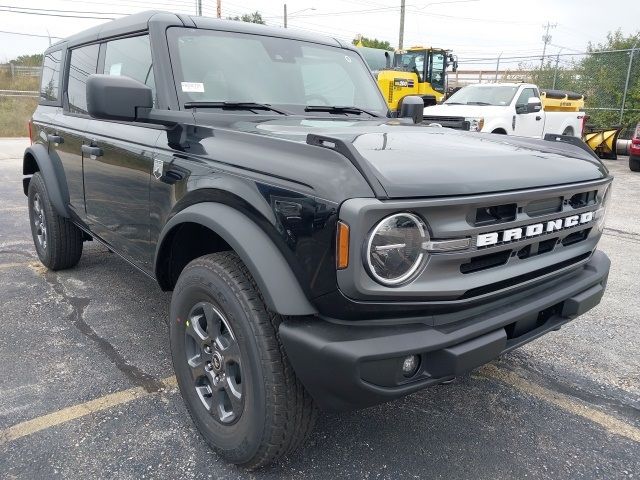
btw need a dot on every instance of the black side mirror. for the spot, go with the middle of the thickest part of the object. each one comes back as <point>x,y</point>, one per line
<point>117,98</point>
<point>534,105</point>
<point>412,106</point>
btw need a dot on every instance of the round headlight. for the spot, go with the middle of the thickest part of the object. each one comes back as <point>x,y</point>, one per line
<point>394,248</point>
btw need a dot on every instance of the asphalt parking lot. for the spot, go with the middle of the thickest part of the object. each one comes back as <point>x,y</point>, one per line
<point>86,386</point>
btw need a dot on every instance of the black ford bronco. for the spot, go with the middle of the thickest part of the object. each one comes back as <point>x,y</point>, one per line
<point>321,254</point>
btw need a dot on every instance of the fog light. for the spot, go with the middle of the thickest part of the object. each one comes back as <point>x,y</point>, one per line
<point>410,365</point>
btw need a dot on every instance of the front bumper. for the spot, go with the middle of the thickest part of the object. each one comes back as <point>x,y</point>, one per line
<point>346,366</point>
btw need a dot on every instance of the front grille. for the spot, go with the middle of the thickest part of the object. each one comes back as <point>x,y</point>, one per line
<point>457,123</point>
<point>525,234</point>
<point>493,287</point>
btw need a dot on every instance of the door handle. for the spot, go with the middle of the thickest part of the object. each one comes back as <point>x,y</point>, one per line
<point>92,151</point>
<point>538,118</point>
<point>57,139</point>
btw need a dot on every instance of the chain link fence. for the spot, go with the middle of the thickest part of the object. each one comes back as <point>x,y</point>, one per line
<point>12,70</point>
<point>610,80</point>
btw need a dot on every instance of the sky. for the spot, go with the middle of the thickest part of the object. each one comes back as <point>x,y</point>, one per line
<point>473,29</point>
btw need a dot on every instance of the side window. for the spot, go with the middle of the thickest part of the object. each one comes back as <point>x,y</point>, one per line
<point>83,63</point>
<point>50,81</point>
<point>526,94</point>
<point>131,57</point>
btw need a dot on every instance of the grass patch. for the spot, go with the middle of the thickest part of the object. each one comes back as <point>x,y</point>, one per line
<point>15,112</point>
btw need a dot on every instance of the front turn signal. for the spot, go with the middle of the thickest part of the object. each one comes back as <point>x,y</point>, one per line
<point>342,245</point>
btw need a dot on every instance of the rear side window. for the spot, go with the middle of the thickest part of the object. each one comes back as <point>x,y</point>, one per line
<point>130,57</point>
<point>83,63</point>
<point>50,81</point>
<point>526,94</point>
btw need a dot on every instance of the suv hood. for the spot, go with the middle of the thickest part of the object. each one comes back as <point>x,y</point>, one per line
<point>423,161</point>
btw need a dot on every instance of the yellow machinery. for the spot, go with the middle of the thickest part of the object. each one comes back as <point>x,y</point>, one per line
<point>415,71</point>
<point>602,141</point>
<point>561,101</point>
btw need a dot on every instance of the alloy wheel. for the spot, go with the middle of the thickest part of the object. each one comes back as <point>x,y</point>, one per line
<point>39,221</point>
<point>213,356</point>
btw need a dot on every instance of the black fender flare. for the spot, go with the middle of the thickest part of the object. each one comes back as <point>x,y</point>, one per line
<point>53,175</point>
<point>277,282</point>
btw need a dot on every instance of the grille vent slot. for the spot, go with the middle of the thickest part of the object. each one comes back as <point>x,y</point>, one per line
<point>544,207</point>
<point>496,214</point>
<point>485,261</point>
<point>583,199</point>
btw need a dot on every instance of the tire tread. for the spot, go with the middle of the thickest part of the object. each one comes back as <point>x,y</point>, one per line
<point>291,412</point>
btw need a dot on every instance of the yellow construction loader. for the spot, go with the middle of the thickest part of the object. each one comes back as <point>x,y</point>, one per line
<point>415,71</point>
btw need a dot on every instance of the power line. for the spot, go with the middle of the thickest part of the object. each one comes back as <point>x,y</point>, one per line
<point>60,11</point>
<point>56,14</point>
<point>30,35</point>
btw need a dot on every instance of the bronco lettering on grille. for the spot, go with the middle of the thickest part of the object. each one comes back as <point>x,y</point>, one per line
<point>519,233</point>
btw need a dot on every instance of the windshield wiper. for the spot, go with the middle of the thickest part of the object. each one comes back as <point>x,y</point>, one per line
<point>454,103</point>
<point>234,106</point>
<point>478,103</point>
<point>338,109</point>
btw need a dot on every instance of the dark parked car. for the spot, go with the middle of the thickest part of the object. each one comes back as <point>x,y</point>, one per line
<point>634,151</point>
<point>320,253</point>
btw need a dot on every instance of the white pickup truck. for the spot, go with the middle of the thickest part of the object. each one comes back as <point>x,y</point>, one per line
<point>510,109</point>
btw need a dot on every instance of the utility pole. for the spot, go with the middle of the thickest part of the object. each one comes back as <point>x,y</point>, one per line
<point>546,38</point>
<point>498,67</point>
<point>219,8</point>
<point>401,37</point>
<point>285,15</point>
<point>199,8</point>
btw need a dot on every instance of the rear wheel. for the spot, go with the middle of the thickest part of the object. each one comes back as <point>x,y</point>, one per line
<point>568,131</point>
<point>234,376</point>
<point>58,242</point>
<point>634,164</point>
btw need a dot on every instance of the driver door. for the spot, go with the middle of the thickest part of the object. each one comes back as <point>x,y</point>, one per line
<point>118,161</point>
<point>528,124</point>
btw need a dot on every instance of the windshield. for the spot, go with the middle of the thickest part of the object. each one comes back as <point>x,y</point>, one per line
<point>436,72</point>
<point>214,66</point>
<point>498,95</point>
<point>412,61</point>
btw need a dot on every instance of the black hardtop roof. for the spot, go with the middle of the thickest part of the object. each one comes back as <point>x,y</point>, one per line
<point>140,21</point>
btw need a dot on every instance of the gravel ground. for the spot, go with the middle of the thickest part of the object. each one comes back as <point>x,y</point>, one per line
<point>564,406</point>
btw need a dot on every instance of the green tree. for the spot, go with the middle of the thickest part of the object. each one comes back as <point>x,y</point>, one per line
<point>34,60</point>
<point>255,17</point>
<point>372,43</point>
<point>604,72</point>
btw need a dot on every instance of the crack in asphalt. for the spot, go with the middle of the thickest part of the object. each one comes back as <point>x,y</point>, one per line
<point>17,252</point>
<point>623,234</point>
<point>578,390</point>
<point>78,307</point>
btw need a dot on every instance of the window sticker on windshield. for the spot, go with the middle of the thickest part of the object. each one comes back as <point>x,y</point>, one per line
<point>193,87</point>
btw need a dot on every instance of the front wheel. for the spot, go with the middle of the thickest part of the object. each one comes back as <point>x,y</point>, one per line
<point>234,376</point>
